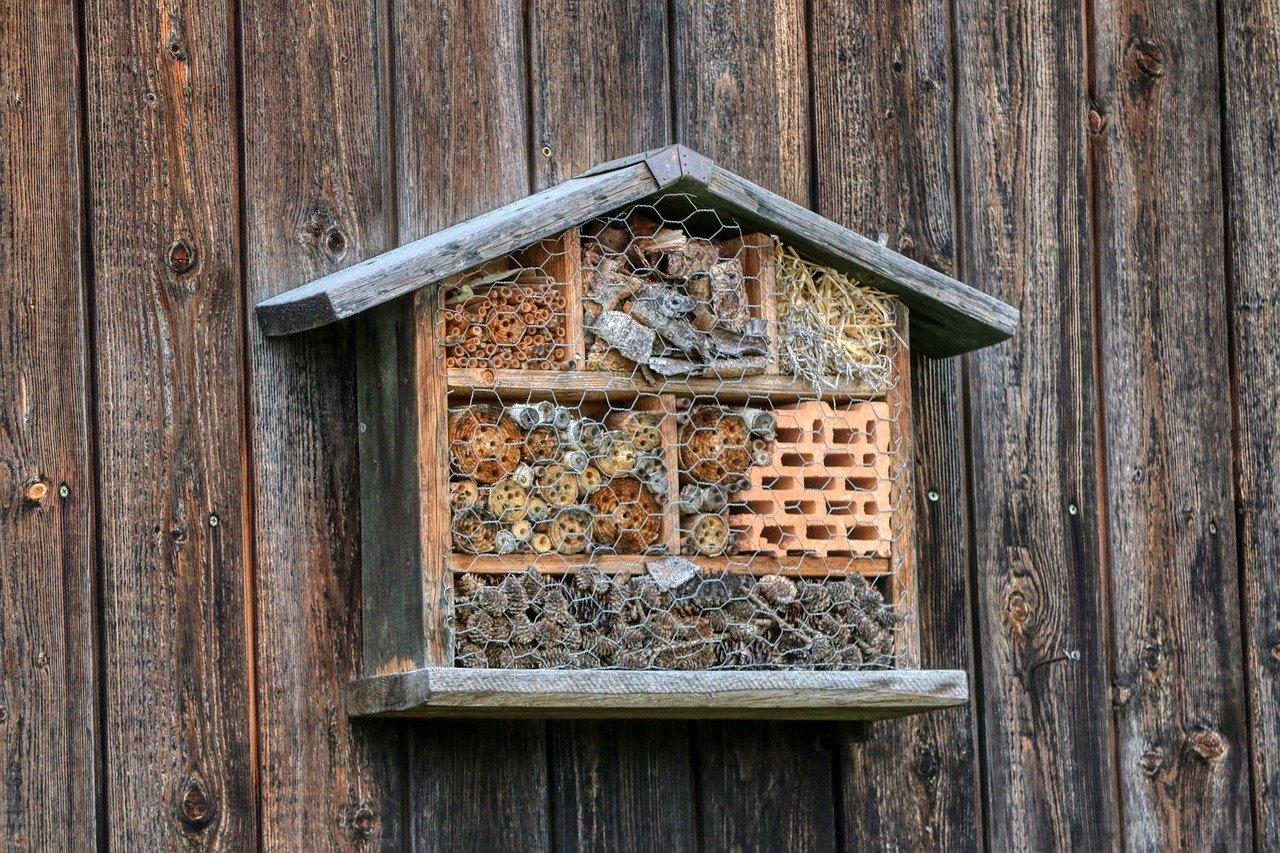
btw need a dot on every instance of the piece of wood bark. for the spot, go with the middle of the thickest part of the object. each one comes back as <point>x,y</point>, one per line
<point>911,784</point>
<point>52,773</point>
<point>1251,68</point>
<point>1047,726</point>
<point>1181,711</point>
<point>311,115</point>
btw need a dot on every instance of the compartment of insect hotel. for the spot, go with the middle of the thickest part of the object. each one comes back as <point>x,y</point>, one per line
<point>708,475</point>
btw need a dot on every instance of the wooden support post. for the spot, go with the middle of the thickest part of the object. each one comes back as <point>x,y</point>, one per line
<point>403,474</point>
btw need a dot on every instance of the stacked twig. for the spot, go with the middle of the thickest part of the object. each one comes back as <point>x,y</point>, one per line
<point>538,478</point>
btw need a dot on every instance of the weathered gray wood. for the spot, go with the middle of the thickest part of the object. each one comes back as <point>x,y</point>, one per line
<point>948,317</point>
<point>1021,122</point>
<point>50,764</point>
<point>862,695</point>
<point>1180,708</point>
<point>1251,67</point>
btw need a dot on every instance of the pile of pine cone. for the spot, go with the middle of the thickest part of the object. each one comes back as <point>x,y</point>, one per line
<point>710,621</point>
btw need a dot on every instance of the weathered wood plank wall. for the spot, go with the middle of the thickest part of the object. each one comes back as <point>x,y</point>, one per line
<point>1098,533</point>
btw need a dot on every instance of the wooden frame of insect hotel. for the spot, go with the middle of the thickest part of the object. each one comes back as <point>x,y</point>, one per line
<point>639,445</point>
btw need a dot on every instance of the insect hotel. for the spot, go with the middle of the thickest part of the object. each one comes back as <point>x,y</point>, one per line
<point>640,445</point>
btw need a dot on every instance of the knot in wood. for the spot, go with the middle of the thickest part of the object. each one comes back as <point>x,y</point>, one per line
<point>36,491</point>
<point>359,820</point>
<point>1207,744</point>
<point>195,811</point>
<point>1275,652</point>
<point>1152,761</point>
<point>1097,122</point>
<point>182,256</point>
<point>926,764</point>
<point>1152,652</point>
<point>1018,609</point>
<point>335,243</point>
<point>1147,57</point>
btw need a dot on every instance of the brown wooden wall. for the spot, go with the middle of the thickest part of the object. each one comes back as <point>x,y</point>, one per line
<point>1099,536</point>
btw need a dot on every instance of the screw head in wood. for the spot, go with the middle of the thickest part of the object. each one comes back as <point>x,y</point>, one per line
<point>213,520</point>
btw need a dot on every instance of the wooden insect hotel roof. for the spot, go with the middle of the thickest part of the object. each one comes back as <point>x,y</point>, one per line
<point>947,316</point>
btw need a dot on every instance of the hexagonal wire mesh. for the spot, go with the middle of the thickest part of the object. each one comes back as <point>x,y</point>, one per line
<point>672,446</point>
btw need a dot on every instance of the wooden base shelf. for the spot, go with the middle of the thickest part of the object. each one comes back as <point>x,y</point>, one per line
<point>593,384</point>
<point>805,566</point>
<point>782,695</point>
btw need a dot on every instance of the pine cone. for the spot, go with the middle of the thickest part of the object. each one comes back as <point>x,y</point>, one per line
<point>469,584</point>
<point>492,600</point>
<point>522,633</point>
<point>776,589</point>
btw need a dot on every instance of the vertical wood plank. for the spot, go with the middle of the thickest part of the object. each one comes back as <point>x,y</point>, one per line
<point>1251,65</point>
<point>599,87</point>
<point>48,696</point>
<point>317,198</point>
<point>168,311</point>
<point>883,113</point>
<point>741,82</point>
<point>1040,578</point>
<point>1180,709</point>
<point>599,92</point>
<point>459,95</point>
<point>739,73</point>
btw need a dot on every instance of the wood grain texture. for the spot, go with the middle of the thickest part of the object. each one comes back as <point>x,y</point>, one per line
<point>738,69</point>
<point>600,90</point>
<point>1181,715</point>
<point>600,93</point>
<point>449,691</point>
<point>49,725</point>
<point>883,112</point>
<point>169,344</point>
<point>1251,65</point>
<point>1039,577</point>
<point>741,85</point>
<point>317,198</point>
<point>459,94</point>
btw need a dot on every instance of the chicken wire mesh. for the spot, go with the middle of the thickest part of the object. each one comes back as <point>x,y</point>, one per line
<point>673,445</point>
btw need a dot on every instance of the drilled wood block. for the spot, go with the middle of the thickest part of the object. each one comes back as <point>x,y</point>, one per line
<point>827,490</point>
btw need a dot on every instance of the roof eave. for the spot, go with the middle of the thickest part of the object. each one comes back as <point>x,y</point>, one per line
<point>948,317</point>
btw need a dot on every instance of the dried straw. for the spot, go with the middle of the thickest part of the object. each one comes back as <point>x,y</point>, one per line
<point>831,329</point>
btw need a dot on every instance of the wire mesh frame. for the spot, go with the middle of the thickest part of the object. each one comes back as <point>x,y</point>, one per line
<point>574,419</point>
